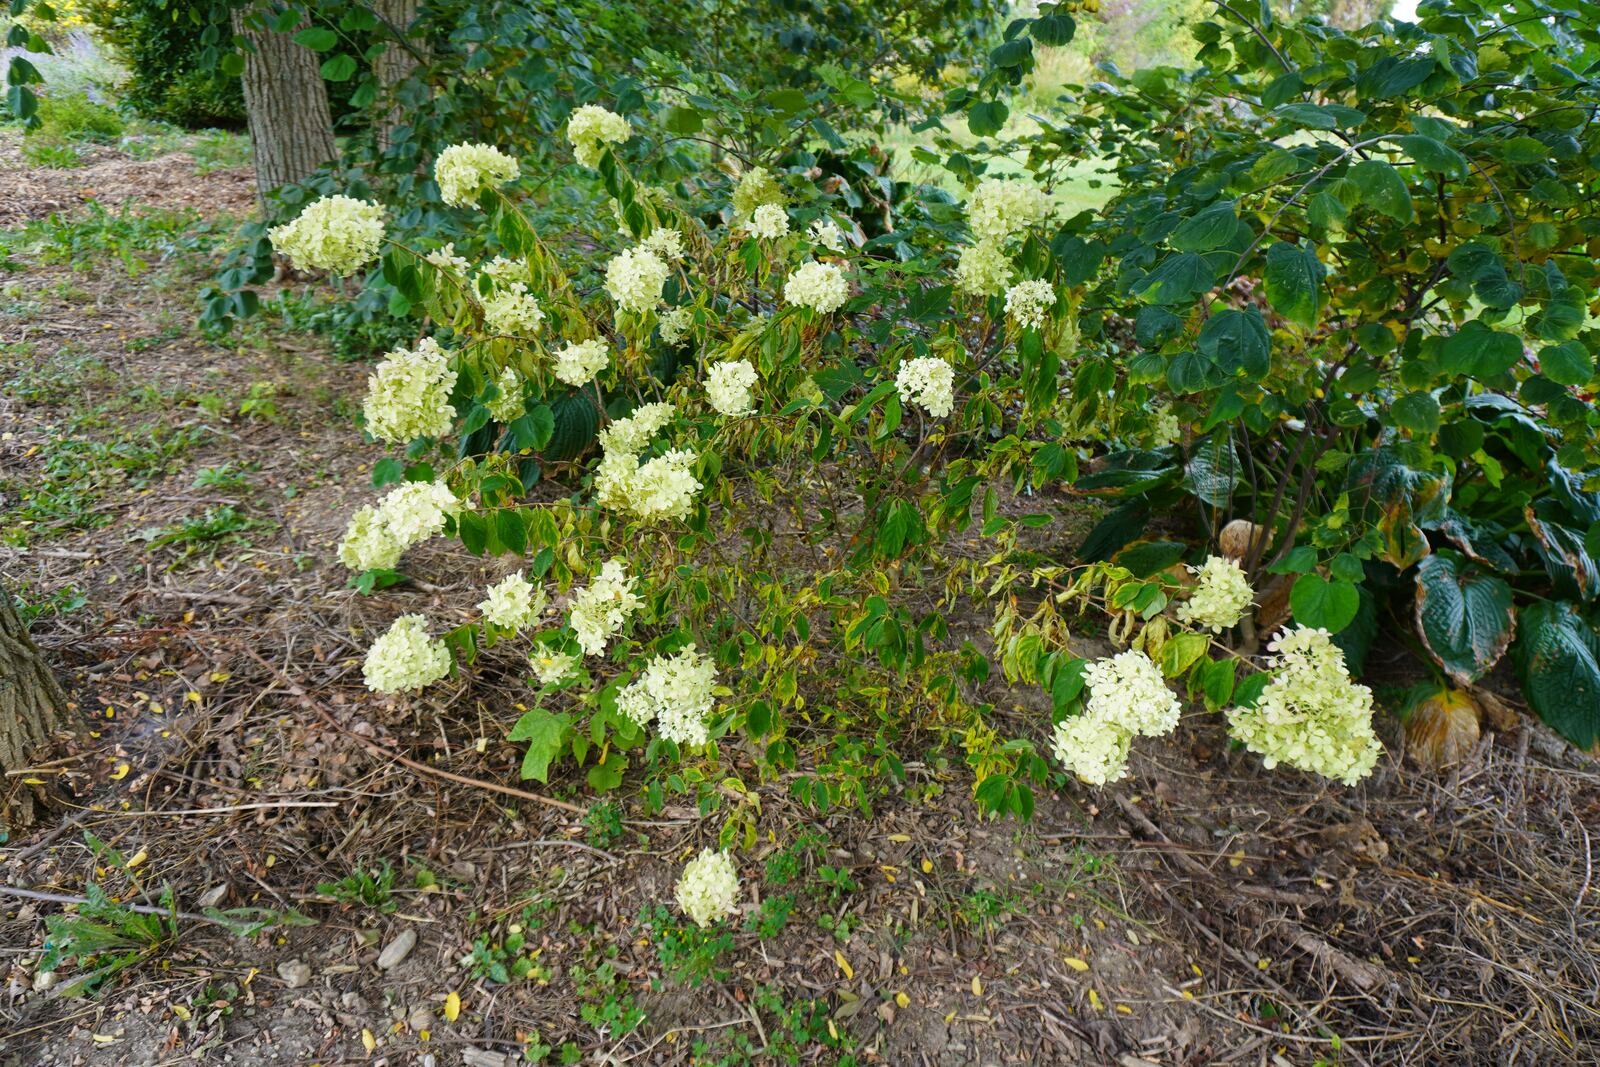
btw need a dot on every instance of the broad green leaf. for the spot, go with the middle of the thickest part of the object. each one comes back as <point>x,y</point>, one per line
<point>1417,412</point>
<point>317,38</point>
<point>1238,340</point>
<point>1557,656</point>
<point>1178,279</point>
<point>1383,190</point>
<point>1464,616</point>
<point>1568,364</point>
<point>1294,283</point>
<point>1477,351</point>
<point>1328,605</point>
<point>987,118</point>
<point>545,734</point>
<point>1434,155</point>
<point>1212,227</point>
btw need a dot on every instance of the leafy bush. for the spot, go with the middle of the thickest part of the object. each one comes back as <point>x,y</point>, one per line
<point>171,75</point>
<point>75,117</point>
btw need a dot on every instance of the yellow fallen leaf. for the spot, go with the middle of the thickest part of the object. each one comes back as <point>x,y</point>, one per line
<point>182,1012</point>
<point>1263,963</point>
<point>927,866</point>
<point>368,1042</point>
<point>1124,1009</point>
<point>899,839</point>
<point>901,1000</point>
<point>844,964</point>
<point>138,858</point>
<point>1094,1001</point>
<point>452,1007</point>
<point>121,772</point>
<point>977,986</point>
<point>1076,964</point>
<point>193,696</point>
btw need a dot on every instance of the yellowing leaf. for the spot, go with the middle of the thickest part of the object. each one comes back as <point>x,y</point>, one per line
<point>1076,964</point>
<point>927,866</point>
<point>452,1007</point>
<point>844,964</point>
<point>121,772</point>
<point>182,1012</point>
<point>901,1000</point>
<point>138,858</point>
<point>977,986</point>
<point>368,1042</point>
<point>1094,1001</point>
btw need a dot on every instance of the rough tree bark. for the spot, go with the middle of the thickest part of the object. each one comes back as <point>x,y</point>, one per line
<point>395,63</point>
<point>291,128</point>
<point>31,706</point>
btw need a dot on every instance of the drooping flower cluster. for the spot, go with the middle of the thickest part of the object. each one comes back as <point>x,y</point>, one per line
<point>631,434</point>
<point>1000,207</point>
<point>511,310</point>
<point>1127,697</point>
<point>600,611</point>
<point>550,666</point>
<point>513,603</point>
<point>820,286</point>
<point>756,187</point>
<point>580,361</point>
<point>405,658</point>
<point>465,170</point>
<point>1029,302</point>
<point>507,405</point>
<point>769,221</point>
<point>983,269</point>
<point>635,277</point>
<point>660,488</point>
<point>929,383</point>
<point>708,889</point>
<point>676,693</point>
<point>411,512</point>
<point>408,395</point>
<point>826,232</point>
<point>591,127</point>
<point>1311,715</point>
<point>666,243</point>
<point>336,233</point>
<point>1221,597</point>
<point>729,385</point>
<point>675,325</point>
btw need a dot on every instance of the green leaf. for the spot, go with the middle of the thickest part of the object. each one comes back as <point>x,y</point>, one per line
<point>1566,364</point>
<point>387,471</point>
<point>1178,279</point>
<point>545,734</point>
<point>575,423</point>
<point>534,429</point>
<point>1211,228</point>
<point>1464,616</point>
<point>317,38</point>
<point>1434,155</point>
<point>1294,283</point>
<point>1052,31</point>
<point>684,121</point>
<point>1182,652</point>
<point>1383,190</point>
<point>1307,115</point>
<point>1238,340</point>
<point>1212,472</point>
<point>1477,351</point>
<point>1557,656</point>
<point>1481,266</point>
<point>987,118</point>
<point>1327,605</point>
<point>1417,412</point>
<point>339,68</point>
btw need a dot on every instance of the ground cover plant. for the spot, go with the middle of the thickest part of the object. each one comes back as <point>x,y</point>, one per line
<point>757,608</point>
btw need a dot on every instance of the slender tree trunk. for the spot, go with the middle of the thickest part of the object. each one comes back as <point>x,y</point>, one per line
<point>31,706</point>
<point>395,64</point>
<point>291,128</point>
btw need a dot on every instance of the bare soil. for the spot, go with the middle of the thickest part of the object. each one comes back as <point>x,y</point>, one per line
<point>1204,911</point>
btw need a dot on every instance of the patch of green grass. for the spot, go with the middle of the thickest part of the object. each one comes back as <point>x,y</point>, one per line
<point>364,888</point>
<point>129,236</point>
<point>205,533</point>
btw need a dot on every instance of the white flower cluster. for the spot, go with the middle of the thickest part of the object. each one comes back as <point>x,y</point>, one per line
<point>405,658</point>
<point>580,361</point>
<point>1000,207</point>
<point>1166,429</point>
<point>410,513</point>
<point>675,325</point>
<point>928,382</point>
<point>769,221</point>
<point>756,187</point>
<point>676,693</point>
<point>666,243</point>
<point>729,385</point>
<point>659,488</point>
<point>1127,697</point>
<point>513,603</point>
<point>820,286</point>
<point>336,233</point>
<point>1221,597</point>
<point>983,269</point>
<point>508,405</point>
<point>511,310</point>
<point>708,889</point>
<point>465,170</point>
<point>1029,302</point>
<point>826,232</point>
<point>599,611</point>
<point>592,126</point>
<point>445,256</point>
<point>550,666</point>
<point>635,277</point>
<point>408,394</point>
<point>631,434</point>
<point>1311,715</point>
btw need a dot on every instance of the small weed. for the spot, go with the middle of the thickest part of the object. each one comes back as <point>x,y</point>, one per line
<point>259,401</point>
<point>205,533</point>
<point>603,824</point>
<point>785,866</point>
<point>773,916</point>
<point>61,602</point>
<point>688,953</point>
<point>127,235</point>
<point>365,888</point>
<point>226,476</point>
<point>56,155</point>
<point>605,1002</point>
<point>507,959</point>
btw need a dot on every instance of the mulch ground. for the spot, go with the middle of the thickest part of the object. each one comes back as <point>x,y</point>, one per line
<point>1202,912</point>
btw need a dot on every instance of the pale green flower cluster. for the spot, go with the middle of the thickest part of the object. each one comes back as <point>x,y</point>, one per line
<point>983,269</point>
<point>675,325</point>
<point>445,256</point>
<point>405,658</point>
<point>1000,207</point>
<point>1029,302</point>
<point>408,394</point>
<point>580,361</point>
<point>513,311</point>
<point>600,611</point>
<point>1166,428</point>
<point>929,383</point>
<point>1311,715</point>
<point>465,170</point>
<point>729,385</point>
<point>820,286</point>
<point>513,603</point>
<point>631,434</point>
<point>508,405</point>
<point>550,666</point>
<point>1221,597</point>
<point>1128,697</point>
<point>769,221</point>
<point>826,232</point>
<point>410,513</point>
<point>635,277</point>
<point>659,488</point>
<point>666,243</point>
<point>590,128</point>
<point>336,233</point>
<point>756,187</point>
<point>676,693</point>
<point>708,889</point>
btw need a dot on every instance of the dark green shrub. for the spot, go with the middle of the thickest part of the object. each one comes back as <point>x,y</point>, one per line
<point>74,117</point>
<point>160,40</point>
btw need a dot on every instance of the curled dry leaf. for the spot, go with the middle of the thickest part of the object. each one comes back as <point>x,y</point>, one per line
<point>1442,729</point>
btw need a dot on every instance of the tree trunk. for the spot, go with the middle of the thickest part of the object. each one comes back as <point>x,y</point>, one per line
<point>31,706</point>
<point>395,63</point>
<point>291,128</point>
